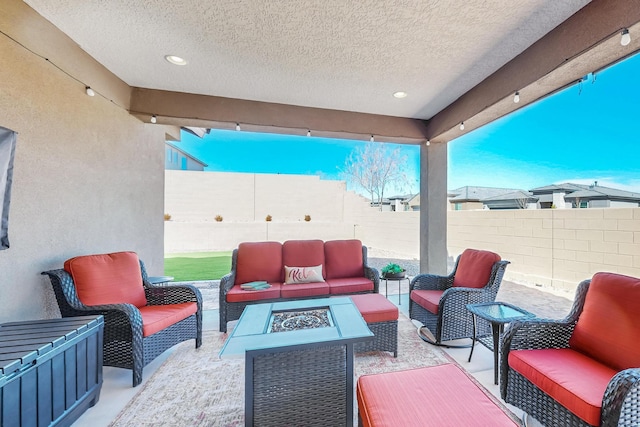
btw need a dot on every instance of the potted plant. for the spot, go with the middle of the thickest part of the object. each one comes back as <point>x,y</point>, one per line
<point>392,271</point>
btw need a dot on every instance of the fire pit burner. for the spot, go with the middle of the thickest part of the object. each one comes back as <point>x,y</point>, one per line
<point>284,321</point>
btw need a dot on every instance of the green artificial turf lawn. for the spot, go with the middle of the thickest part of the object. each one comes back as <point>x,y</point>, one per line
<point>197,265</point>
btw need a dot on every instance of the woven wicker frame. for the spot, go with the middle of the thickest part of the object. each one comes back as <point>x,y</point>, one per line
<point>124,346</point>
<point>230,311</point>
<point>453,320</point>
<point>620,403</point>
<point>385,339</point>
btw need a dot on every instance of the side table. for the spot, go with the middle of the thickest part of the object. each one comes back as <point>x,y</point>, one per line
<point>396,279</point>
<point>159,280</point>
<point>498,314</point>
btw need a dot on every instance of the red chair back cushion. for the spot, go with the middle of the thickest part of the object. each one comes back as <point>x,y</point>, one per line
<point>113,278</point>
<point>607,328</point>
<point>303,253</point>
<point>259,261</point>
<point>344,258</point>
<point>474,268</point>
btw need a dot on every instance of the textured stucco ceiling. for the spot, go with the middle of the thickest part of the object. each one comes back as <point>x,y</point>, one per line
<point>335,54</point>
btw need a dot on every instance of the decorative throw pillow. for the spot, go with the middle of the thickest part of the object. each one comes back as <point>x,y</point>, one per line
<point>293,275</point>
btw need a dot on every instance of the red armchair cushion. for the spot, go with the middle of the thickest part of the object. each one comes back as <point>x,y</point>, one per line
<point>113,278</point>
<point>304,253</point>
<point>259,261</point>
<point>427,299</point>
<point>156,318</point>
<point>237,294</point>
<point>349,285</point>
<point>474,268</point>
<point>344,259</point>
<point>607,328</point>
<point>434,396</point>
<point>574,380</point>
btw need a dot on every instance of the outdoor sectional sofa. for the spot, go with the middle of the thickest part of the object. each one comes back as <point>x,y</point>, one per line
<point>340,268</point>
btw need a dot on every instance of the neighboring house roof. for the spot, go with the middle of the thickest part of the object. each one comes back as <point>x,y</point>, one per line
<point>477,194</point>
<point>581,191</point>
<point>513,200</point>
<point>186,154</point>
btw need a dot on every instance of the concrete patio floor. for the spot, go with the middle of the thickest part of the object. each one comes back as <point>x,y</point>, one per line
<point>117,390</point>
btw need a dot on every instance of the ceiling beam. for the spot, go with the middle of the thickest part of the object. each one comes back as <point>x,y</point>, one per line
<point>583,31</point>
<point>185,109</point>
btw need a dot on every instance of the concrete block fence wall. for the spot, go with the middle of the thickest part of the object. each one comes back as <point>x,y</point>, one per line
<point>553,248</point>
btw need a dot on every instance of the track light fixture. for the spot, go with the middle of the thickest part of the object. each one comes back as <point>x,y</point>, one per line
<point>625,38</point>
<point>309,132</point>
<point>461,125</point>
<point>238,127</point>
<point>372,139</point>
<point>154,119</point>
<point>89,91</point>
<point>428,143</point>
<point>516,97</point>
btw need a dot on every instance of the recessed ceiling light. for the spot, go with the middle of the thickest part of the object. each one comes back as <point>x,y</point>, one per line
<point>176,60</point>
<point>400,94</point>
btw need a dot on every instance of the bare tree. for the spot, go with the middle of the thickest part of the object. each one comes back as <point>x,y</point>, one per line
<point>374,167</point>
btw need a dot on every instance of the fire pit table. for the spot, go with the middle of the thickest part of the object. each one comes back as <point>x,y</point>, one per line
<point>298,361</point>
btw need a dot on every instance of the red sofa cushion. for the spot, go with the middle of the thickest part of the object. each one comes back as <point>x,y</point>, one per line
<point>237,294</point>
<point>375,308</point>
<point>574,380</point>
<point>304,253</point>
<point>349,285</point>
<point>343,259</point>
<point>435,396</point>
<point>474,268</point>
<point>607,328</point>
<point>156,318</point>
<point>427,299</point>
<point>259,261</point>
<point>302,290</point>
<point>113,278</point>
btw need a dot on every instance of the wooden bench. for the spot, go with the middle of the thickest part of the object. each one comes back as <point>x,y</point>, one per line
<point>437,396</point>
<point>381,316</point>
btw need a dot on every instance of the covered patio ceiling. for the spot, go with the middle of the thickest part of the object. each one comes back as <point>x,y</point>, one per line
<point>332,66</point>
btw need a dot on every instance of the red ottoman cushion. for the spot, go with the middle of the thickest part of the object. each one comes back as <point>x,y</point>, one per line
<point>375,308</point>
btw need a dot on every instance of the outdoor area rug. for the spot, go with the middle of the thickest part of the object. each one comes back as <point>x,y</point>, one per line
<point>196,388</point>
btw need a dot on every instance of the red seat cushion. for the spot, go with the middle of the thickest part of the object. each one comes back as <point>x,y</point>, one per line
<point>113,278</point>
<point>348,285</point>
<point>304,290</point>
<point>474,268</point>
<point>343,259</point>
<point>375,308</point>
<point>607,328</point>
<point>237,294</point>
<point>156,318</point>
<point>259,261</point>
<point>303,253</point>
<point>427,299</point>
<point>574,380</point>
<point>437,396</point>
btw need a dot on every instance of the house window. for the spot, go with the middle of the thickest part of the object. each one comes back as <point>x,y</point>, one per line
<point>175,157</point>
<point>584,205</point>
<point>457,206</point>
<point>184,164</point>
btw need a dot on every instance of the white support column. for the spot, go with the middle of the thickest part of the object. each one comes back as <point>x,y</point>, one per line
<point>433,208</point>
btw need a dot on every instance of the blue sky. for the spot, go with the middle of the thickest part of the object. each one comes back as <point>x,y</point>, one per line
<point>588,132</point>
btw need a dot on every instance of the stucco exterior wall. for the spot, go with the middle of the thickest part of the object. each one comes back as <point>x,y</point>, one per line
<point>88,178</point>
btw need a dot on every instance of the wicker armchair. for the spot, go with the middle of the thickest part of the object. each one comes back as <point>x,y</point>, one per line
<point>621,395</point>
<point>442,308</point>
<point>125,345</point>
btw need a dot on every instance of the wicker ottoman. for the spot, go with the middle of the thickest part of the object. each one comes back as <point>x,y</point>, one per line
<point>381,316</point>
<point>435,396</point>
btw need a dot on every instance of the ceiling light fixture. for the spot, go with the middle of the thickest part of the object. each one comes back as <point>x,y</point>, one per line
<point>238,127</point>
<point>175,60</point>
<point>625,38</point>
<point>461,125</point>
<point>154,119</point>
<point>309,132</point>
<point>428,143</point>
<point>371,140</point>
<point>400,94</point>
<point>516,97</point>
<point>89,91</point>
